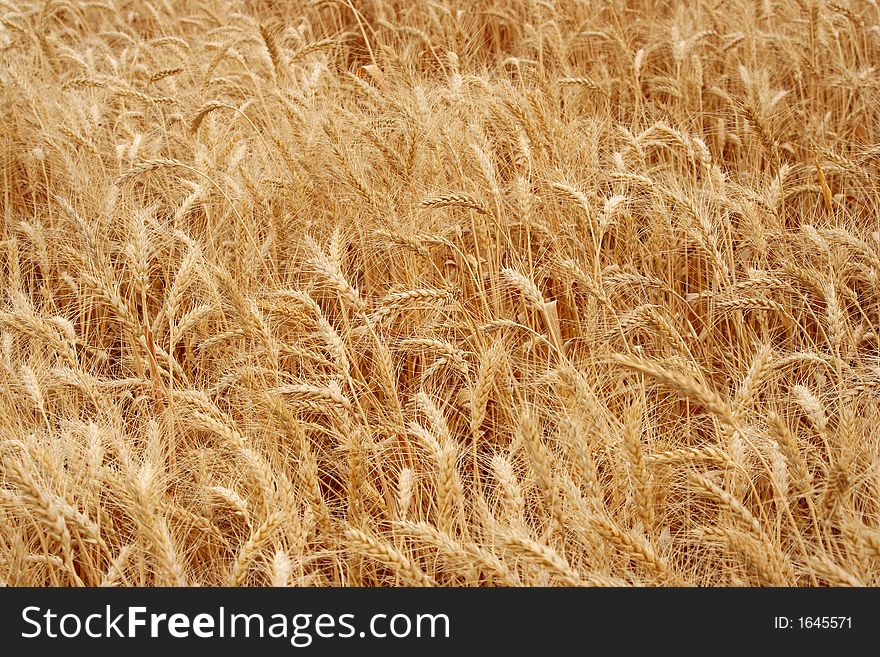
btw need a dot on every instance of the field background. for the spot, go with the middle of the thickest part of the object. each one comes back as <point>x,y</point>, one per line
<point>498,292</point>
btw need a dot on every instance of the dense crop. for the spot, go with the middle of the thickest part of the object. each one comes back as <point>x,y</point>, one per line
<point>495,292</point>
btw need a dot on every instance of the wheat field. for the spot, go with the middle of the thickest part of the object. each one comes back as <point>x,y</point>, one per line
<point>453,293</point>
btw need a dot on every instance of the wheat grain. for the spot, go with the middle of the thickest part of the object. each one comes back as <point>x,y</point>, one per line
<point>385,554</point>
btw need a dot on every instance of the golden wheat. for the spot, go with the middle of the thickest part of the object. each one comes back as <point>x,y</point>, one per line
<point>352,298</point>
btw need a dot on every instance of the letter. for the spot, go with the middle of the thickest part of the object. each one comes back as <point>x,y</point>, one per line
<point>247,627</point>
<point>113,625</point>
<point>134,621</point>
<point>78,625</point>
<point>280,624</point>
<point>345,623</point>
<point>154,623</point>
<point>49,616</point>
<point>373,626</point>
<point>89,625</point>
<point>178,625</point>
<point>203,626</point>
<point>408,625</point>
<point>325,620</point>
<point>298,634</point>
<point>433,618</point>
<point>24,617</point>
